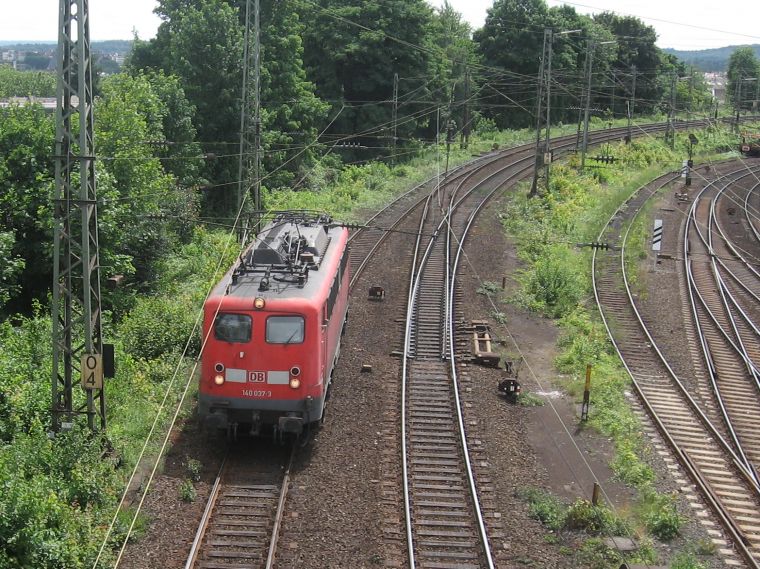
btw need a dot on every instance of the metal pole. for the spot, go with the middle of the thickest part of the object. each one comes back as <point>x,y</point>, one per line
<point>244,108</point>
<point>75,306</point>
<point>737,99</point>
<point>632,102</point>
<point>394,117</point>
<point>614,84</point>
<point>547,140</point>
<point>589,62</point>
<point>257,115</point>
<point>538,159</point>
<point>670,132</point>
<point>466,119</point>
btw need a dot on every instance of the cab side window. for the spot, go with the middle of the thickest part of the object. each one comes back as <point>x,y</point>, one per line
<point>285,329</point>
<point>232,328</point>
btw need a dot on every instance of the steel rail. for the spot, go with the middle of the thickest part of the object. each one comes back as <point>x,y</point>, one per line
<point>735,344</point>
<point>413,290</point>
<point>563,142</point>
<point>200,542</point>
<point>280,511</point>
<point>523,165</point>
<point>684,459</point>
<point>195,548</point>
<point>747,209</point>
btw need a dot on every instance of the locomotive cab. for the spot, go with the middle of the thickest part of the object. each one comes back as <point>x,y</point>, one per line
<point>271,334</point>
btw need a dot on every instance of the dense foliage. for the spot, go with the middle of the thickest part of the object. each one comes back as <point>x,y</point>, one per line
<point>743,78</point>
<point>330,69</point>
<point>26,84</point>
<point>556,282</point>
<point>133,188</point>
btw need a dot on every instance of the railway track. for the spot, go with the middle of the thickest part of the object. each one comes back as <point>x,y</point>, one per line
<point>729,336</point>
<point>444,520</point>
<point>366,240</point>
<point>240,525</point>
<point>709,458</point>
<point>445,527</point>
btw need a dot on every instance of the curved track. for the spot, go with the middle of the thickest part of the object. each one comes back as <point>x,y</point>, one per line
<point>365,241</point>
<point>445,525</point>
<point>729,335</point>
<point>711,460</point>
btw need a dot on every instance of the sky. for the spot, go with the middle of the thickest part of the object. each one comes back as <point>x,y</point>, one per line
<point>703,23</point>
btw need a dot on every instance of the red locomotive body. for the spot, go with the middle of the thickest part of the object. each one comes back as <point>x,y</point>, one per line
<point>272,327</point>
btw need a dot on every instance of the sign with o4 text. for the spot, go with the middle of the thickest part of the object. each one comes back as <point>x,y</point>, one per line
<point>92,371</point>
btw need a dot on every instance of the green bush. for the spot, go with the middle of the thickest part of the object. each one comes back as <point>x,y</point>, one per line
<point>554,284</point>
<point>52,491</point>
<point>595,520</point>
<point>660,515</point>
<point>187,491</point>
<point>545,508</point>
<point>583,342</point>
<point>25,360</point>
<point>686,560</point>
<point>194,468</point>
<point>158,326</point>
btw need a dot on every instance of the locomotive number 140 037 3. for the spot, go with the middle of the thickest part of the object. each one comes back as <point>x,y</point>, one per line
<point>257,393</point>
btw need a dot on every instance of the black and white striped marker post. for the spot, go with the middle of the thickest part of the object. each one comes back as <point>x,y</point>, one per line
<point>657,235</point>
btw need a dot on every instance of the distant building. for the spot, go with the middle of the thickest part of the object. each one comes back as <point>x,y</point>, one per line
<point>48,103</point>
<point>717,83</point>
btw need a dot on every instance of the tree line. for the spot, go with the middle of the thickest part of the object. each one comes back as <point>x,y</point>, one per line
<point>330,69</point>
<point>334,74</point>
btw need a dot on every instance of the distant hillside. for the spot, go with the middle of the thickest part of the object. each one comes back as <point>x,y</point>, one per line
<point>121,47</point>
<point>709,59</point>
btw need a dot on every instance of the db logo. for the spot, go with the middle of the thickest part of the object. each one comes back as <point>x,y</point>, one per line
<point>257,376</point>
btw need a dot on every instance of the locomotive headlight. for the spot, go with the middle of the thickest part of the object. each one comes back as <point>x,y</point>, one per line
<point>258,303</point>
<point>218,379</point>
<point>295,383</point>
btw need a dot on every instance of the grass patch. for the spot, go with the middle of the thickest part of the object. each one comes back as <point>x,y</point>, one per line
<point>555,282</point>
<point>527,399</point>
<point>488,288</point>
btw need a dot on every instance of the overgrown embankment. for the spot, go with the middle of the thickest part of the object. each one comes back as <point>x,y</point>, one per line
<point>556,282</point>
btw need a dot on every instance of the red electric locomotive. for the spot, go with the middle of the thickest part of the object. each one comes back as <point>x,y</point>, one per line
<point>272,328</point>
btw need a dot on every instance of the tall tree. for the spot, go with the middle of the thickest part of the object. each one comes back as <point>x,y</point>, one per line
<point>180,151</point>
<point>512,40</point>
<point>636,47</point>
<point>354,48</point>
<point>134,185</point>
<point>742,65</point>
<point>454,56</point>
<point>26,184</point>
<point>291,111</point>
<point>200,41</point>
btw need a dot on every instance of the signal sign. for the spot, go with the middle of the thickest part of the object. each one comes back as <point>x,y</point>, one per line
<point>657,235</point>
<point>92,371</point>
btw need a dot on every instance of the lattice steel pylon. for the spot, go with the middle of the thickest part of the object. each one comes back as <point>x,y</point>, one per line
<point>249,165</point>
<point>76,307</point>
<point>543,117</point>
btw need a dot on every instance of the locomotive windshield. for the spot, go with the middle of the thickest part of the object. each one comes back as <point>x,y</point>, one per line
<point>232,328</point>
<point>285,329</point>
